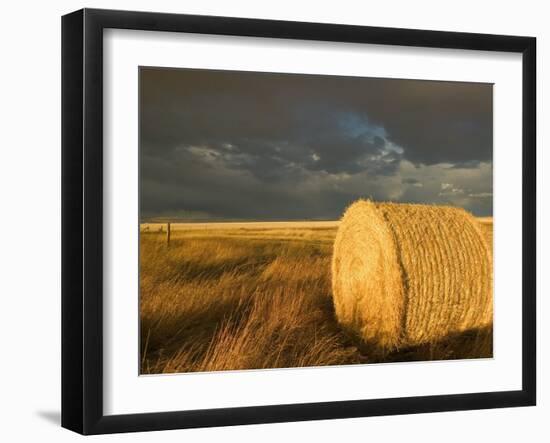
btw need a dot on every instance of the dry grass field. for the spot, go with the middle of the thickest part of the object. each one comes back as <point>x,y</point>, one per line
<point>231,296</point>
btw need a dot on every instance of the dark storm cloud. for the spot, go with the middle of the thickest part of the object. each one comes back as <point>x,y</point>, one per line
<point>228,144</point>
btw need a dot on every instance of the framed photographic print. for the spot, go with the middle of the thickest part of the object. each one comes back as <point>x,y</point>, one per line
<point>269,221</point>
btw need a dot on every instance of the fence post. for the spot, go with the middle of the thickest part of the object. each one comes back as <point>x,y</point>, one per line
<point>168,233</point>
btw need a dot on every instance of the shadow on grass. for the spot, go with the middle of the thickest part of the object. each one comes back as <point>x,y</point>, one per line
<point>470,344</point>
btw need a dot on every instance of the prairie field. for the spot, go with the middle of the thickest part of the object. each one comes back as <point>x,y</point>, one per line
<point>233,296</point>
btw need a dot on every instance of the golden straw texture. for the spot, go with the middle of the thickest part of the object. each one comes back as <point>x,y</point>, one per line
<point>406,274</point>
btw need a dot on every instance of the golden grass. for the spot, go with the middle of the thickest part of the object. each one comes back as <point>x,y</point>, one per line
<point>252,296</point>
<point>266,227</point>
<point>404,275</point>
<point>214,300</point>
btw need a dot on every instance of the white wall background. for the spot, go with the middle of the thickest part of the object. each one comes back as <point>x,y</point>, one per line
<point>30,218</point>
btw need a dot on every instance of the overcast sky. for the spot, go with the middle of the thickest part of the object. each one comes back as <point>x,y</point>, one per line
<point>261,146</point>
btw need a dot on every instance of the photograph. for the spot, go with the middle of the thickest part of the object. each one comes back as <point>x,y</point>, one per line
<point>291,220</point>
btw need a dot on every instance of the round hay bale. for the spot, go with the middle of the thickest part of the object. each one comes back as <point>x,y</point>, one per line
<point>407,274</point>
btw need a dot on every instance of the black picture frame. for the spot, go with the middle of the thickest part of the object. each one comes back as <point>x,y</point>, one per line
<point>82,221</point>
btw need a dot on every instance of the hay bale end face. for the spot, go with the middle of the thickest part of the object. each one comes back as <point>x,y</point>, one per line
<point>406,274</point>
